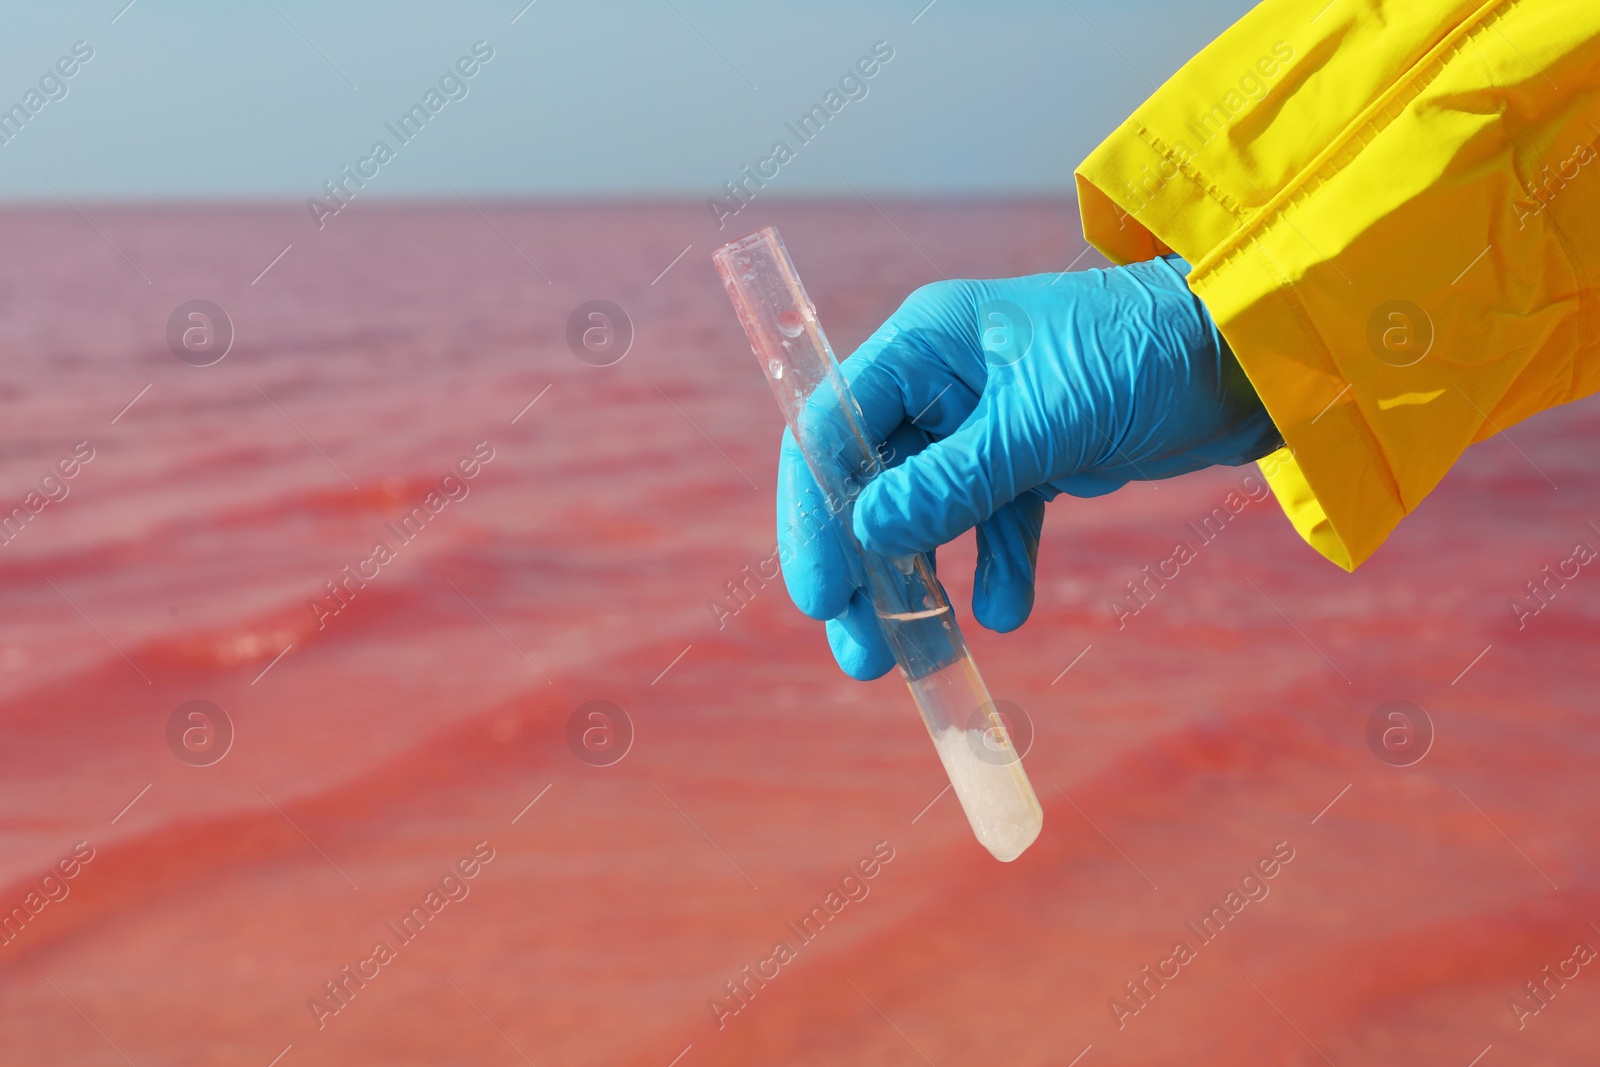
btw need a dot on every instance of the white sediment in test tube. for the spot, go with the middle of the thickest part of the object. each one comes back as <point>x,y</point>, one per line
<point>1005,819</point>
<point>985,770</point>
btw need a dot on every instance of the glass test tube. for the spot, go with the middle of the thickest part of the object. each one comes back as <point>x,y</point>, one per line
<point>972,742</point>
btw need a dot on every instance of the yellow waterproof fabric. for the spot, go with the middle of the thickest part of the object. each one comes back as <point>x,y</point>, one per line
<point>1392,209</point>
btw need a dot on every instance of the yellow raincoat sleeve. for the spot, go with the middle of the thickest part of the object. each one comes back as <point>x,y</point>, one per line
<point>1392,209</point>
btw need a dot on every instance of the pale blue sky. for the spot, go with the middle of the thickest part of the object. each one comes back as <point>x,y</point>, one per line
<point>254,98</point>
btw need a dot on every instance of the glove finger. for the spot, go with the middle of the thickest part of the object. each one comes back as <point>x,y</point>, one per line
<point>899,375</point>
<point>953,484</point>
<point>858,643</point>
<point>907,440</point>
<point>1087,485</point>
<point>815,568</point>
<point>812,551</point>
<point>1008,554</point>
<point>857,640</point>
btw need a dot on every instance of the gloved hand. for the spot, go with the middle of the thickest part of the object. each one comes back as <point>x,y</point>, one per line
<point>994,396</point>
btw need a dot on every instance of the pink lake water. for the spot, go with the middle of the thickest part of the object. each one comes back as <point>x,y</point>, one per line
<point>376,747</point>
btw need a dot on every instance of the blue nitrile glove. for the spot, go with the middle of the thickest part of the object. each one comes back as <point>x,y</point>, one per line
<point>993,396</point>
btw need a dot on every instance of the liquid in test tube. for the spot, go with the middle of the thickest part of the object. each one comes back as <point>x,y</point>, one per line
<point>984,768</point>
